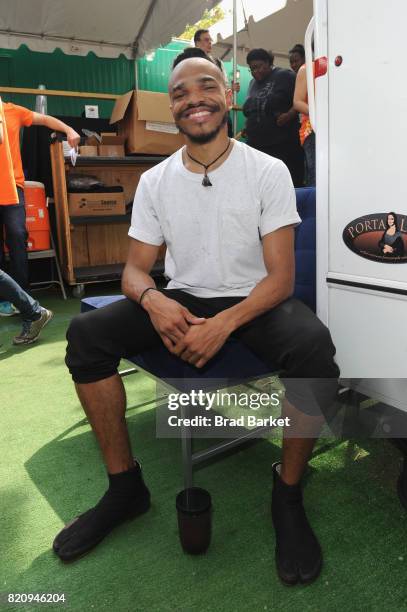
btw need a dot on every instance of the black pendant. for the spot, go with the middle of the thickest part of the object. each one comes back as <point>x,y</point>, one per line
<point>206,182</point>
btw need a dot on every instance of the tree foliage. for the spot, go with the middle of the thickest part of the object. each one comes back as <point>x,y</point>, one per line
<point>209,18</point>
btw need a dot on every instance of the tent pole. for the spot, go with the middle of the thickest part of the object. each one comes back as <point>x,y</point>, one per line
<point>135,73</point>
<point>140,33</point>
<point>234,64</point>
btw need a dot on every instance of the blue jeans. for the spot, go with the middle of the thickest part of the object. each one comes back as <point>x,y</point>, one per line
<point>10,291</point>
<point>13,219</point>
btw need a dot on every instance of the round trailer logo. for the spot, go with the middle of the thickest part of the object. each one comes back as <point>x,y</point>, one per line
<point>380,237</point>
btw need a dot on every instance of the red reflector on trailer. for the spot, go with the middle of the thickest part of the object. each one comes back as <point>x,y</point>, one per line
<point>320,66</point>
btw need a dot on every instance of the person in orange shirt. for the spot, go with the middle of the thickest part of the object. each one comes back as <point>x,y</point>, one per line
<point>34,316</point>
<point>8,186</point>
<point>12,214</point>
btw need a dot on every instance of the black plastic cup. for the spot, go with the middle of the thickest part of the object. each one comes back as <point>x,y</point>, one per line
<point>194,509</point>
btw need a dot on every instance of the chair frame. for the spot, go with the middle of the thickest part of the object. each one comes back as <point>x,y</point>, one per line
<point>191,459</point>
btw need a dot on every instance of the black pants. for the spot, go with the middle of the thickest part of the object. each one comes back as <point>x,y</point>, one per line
<point>289,337</point>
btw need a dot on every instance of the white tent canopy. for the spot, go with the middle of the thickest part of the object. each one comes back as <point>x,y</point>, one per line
<point>277,32</point>
<point>107,27</point>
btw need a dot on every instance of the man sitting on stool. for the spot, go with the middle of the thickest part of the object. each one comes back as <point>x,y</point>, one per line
<point>226,213</point>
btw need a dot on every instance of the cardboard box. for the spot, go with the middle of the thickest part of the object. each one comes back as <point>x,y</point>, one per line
<point>88,150</point>
<point>96,204</point>
<point>145,120</point>
<point>91,141</point>
<point>111,150</point>
<point>112,145</point>
<point>111,138</point>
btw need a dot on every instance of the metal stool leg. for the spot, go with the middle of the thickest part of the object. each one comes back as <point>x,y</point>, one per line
<point>186,440</point>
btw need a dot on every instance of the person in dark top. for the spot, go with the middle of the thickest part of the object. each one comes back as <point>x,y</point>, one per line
<point>296,57</point>
<point>271,121</point>
<point>391,243</point>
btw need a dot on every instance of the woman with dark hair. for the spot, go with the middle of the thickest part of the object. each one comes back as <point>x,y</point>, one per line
<point>271,121</point>
<point>391,243</point>
<point>296,57</point>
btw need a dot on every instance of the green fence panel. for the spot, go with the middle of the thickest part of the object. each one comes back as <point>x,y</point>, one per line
<point>57,70</point>
<point>154,69</point>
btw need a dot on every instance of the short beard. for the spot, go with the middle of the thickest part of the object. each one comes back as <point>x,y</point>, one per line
<point>205,138</point>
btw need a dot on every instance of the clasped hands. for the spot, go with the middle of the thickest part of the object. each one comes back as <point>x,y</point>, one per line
<point>193,339</point>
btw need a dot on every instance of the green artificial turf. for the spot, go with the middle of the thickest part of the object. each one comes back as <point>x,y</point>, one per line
<point>50,470</point>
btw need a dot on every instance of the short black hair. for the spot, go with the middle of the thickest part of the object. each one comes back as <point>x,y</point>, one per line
<point>198,34</point>
<point>261,55</point>
<point>191,52</point>
<point>298,48</point>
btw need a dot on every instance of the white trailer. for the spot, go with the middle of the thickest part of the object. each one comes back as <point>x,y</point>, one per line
<point>360,116</point>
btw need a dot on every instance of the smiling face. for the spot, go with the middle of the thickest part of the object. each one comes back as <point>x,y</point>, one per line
<point>390,220</point>
<point>199,99</point>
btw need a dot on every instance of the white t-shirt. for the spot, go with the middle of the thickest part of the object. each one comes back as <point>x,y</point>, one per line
<point>213,233</point>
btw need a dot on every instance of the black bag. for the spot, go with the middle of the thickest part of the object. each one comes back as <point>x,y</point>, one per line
<point>83,183</point>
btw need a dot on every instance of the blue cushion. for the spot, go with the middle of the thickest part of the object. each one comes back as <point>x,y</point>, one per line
<point>234,360</point>
<point>91,303</point>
